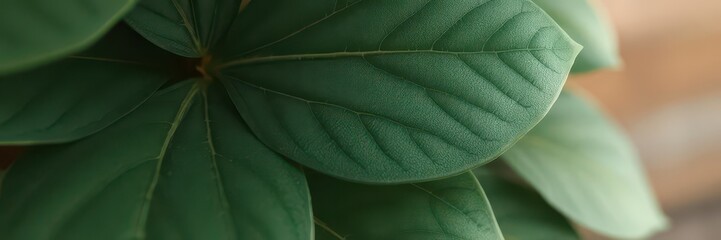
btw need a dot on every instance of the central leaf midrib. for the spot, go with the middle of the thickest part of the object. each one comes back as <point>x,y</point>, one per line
<point>312,56</point>
<point>192,28</point>
<point>327,228</point>
<point>180,115</point>
<point>213,157</point>
<point>444,202</point>
<point>109,60</point>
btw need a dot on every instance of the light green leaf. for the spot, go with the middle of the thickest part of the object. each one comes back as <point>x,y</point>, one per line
<point>587,27</point>
<point>34,32</point>
<point>183,166</point>
<point>452,208</point>
<point>394,91</point>
<point>586,168</point>
<point>521,213</point>
<point>82,94</point>
<point>185,27</point>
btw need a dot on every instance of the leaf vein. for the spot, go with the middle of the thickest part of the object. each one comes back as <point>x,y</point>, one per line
<point>433,46</point>
<point>301,29</point>
<point>351,110</point>
<point>426,89</point>
<point>393,30</point>
<point>145,207</point>
<point>334,139</point>
<point>218,180</point>
<point>380,146</point>
<point>493,83</point>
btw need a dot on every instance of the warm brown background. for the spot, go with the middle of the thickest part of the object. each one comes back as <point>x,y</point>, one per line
<point>668,97</point>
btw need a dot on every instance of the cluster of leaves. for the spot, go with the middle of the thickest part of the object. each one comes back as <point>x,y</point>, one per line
<point>222,119</point>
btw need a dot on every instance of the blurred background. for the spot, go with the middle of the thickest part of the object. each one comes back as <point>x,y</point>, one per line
<point>667,96</point>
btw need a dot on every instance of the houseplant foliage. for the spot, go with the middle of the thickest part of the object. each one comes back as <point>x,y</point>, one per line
<point>278,119</point>
<point>583,176</point>
<point>587,27</point>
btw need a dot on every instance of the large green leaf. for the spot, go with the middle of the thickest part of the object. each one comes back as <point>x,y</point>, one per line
<point>185,27</point>
<point>183,166</point>
<point>584,166</point>
<point>453,208</point>
<point>33,32</point>
<point>521,213</point>
<point>82,94</point>
<point>587,27</point>
<point>394,91</point>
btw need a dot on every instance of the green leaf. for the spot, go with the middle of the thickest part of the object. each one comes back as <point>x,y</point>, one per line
<point>183,166</point>
<point>452,208</point>
<point>185,27</point>
<point>3,172</point>
<point>394,91</point>
<point>82,94</point>
<point>585,167</point>
<point>521,213</point>
<point>587,27</point>
<point>33,32</point>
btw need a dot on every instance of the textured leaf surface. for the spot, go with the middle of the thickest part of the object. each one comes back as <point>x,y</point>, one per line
<point>33,32</point>
<point>452,208</point>
<point>82,94</point>
<point>585,167</point>
<point>183,166</point>
<point>185,27</point>
<point>587,27</point>
<point>521,213</point>
<point>394,91</point>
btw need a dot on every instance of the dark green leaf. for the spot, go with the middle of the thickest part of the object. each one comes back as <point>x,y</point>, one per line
<point>586,168</point>
<point>521,213</point>
<point>587,27</point>
<point>394,91</point>
<point>3,172</point>
<point>82,94</point>
<point>185,27</point>
<point>183,166</point>
<point>453,208</point>
<point>33,32</point>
